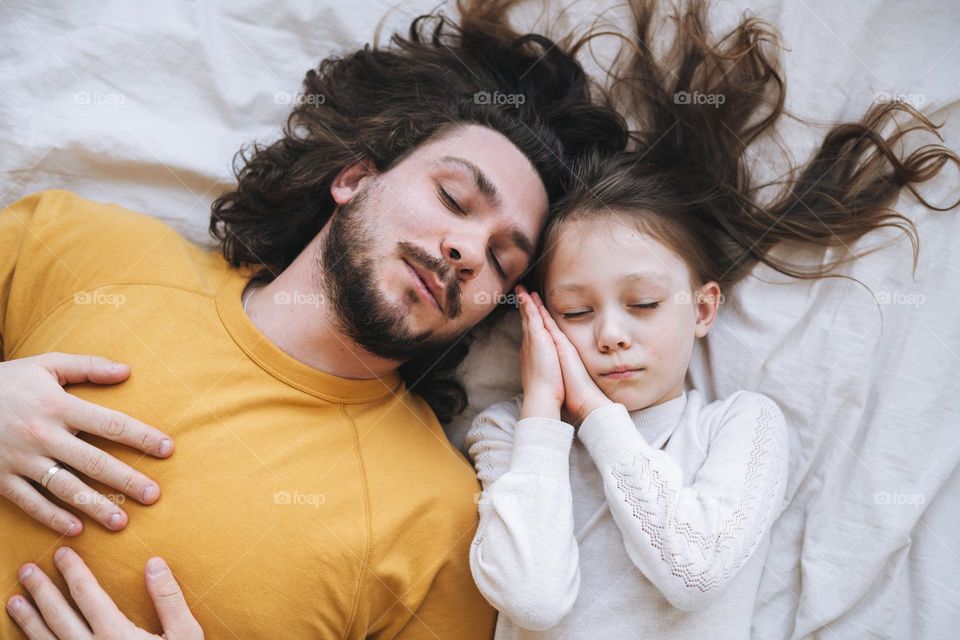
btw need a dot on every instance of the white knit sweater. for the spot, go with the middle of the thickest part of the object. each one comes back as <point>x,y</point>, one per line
<point>651,524</point>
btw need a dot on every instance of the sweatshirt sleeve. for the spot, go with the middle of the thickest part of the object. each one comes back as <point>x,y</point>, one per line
<point>452,608</point>
<point>524,556</point>
<point>15,223</point>
<point>691,540</point>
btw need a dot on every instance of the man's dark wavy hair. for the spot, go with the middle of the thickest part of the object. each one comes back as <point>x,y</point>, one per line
<point>377,104</point>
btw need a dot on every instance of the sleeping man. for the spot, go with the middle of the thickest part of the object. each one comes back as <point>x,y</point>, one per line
<point>301,369</point>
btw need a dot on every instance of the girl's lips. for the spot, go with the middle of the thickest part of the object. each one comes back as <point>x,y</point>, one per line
<point>620,375</point>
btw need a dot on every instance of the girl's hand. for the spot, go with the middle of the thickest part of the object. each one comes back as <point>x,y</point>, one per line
<point>581,393</point>
<point>99,618</point>
<point>540,371</point>
<point>38,425</point>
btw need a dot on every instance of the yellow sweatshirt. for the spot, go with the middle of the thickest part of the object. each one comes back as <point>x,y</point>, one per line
<point>297,504</point>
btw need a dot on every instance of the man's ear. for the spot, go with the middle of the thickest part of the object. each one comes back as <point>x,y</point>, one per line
<point>707,303</point>
<point>348,182</point>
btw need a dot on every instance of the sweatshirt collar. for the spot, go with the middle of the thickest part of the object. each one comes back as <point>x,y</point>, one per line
<point>660,416</point>
<point>285,367</point>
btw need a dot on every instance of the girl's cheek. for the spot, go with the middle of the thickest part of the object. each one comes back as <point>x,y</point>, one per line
<point>582,339</point>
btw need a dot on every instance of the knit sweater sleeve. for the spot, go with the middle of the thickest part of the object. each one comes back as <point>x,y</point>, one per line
<point>690,540</point>
<point>524,556</point>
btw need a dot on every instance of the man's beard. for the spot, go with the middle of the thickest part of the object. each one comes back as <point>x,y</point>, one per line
<point>349,283</point>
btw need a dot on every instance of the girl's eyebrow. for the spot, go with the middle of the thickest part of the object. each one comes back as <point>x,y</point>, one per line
<point>646,276</point>
<point>654,277</point>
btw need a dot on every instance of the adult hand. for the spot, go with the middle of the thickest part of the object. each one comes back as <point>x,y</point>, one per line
<point>99,618</point>
<point>581,393</point>
<point>540,371</point>
<point>38,425</point>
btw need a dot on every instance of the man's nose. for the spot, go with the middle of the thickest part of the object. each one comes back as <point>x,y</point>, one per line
<point>465,258</point>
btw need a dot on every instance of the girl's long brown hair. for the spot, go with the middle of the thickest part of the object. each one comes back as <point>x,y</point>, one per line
<point>685,178</point>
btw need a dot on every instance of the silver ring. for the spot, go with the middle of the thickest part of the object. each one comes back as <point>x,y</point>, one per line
<point>52,471</point>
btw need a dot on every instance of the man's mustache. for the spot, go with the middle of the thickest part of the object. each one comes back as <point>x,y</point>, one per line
<point>451,284</point>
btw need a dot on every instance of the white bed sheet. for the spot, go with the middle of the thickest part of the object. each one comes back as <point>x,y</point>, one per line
<point>145,105</point>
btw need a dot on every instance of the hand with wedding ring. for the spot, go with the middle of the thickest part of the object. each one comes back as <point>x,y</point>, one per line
<point>39,421</point>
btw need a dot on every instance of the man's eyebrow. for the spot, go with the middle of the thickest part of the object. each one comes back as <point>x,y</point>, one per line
<point>522,241</point>
<point>486,188</point>
<point>490,193</point>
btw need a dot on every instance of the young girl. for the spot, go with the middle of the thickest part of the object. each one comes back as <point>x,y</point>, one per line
<point>616,502</point>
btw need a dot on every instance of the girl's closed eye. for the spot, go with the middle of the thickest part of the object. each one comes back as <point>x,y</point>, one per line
<point>647,306</point>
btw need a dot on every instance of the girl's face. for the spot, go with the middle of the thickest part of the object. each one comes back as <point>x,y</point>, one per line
<point>625,300</point>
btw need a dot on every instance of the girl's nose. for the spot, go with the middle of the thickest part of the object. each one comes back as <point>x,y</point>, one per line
<point>611,336</point>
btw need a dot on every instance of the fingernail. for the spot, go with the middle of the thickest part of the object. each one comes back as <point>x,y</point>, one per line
<point>165,446</point>
<point>72,528</point>
<point>156,566</point>
<point>25,573</point>
<point>16,602</point>
<point>150,493</point>
<point>114,521</point>
<point>60,554</point>
<point>116,367</point>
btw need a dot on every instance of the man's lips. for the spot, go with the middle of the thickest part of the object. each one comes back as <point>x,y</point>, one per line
<point>429,282</point>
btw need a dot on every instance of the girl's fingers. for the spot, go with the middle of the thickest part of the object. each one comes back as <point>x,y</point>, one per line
<point>28,619</point>
<point>57,613</point>
<point>545,317</point>
<point>534,319</point>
